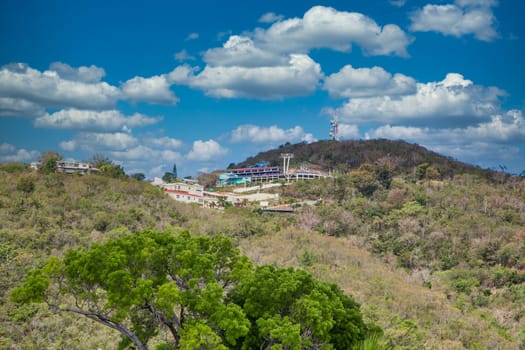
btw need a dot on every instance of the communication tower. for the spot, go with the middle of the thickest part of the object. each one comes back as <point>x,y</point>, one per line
<point>286,162</point>
<point>334,127</point>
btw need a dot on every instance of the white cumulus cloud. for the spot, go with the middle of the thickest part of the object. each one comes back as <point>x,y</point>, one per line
<point>146,154</point>
<point>17,107</point>
<point>183,55</point>
<point>299,77</point>
<point>270,17</point>
<point>86,120</point>
<point>148,160</point>
<point>164,142</point>
<point>273,63</point>
<point>325,27</point>
<point>458,19</point>
<point>272,134</point>
<point>98,142</point>
<point>453,97</point>
<point>242,51</point>
<point>91,74</point>
<point>206,150</point>
<point>486,143</point>
<point>154,89</point>
<point>20,82</point>
<point>368,82</point>
<point>9,153</point>
<point>348,131</point>
<point>397,3</point>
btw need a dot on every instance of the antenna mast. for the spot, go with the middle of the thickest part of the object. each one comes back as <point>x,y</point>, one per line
<point>286,164</point>
<point>334,127</point>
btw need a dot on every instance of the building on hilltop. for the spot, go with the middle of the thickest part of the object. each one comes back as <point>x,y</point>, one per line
<point>186,192</point>
<point>258,174</point>
<point>69,167</point>
<point>226,179</point>
<point>241,176</point>
<point>75,167</point>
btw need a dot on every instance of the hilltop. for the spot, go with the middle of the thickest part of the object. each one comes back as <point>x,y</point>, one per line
<point>399,156</point>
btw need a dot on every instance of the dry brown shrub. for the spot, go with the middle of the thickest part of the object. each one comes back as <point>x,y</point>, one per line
<point>397,197</point>
<point>408,225</point>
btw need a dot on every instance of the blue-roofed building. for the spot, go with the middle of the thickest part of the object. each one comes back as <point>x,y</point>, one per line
<point>226,179</point>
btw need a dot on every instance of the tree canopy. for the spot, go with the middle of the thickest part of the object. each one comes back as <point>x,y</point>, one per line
<point>289,309</point>
<point>169,177</point>
<point>107,167</point>
<point>199,290</point>
<point>48,161</point>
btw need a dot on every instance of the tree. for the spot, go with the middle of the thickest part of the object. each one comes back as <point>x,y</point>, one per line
<point>432,173</point>
<point>107,167</point>
<point>174,172</point>
<point>168,177</point>
<point>26,184</point>
<point>199,290</point>
<point>48,162</point>
<point>138,176</point>
<point>289,309</point>
<point>98,160</point>
<point>139,283</point>
<point>365,181</point>
<point>208,180</point>
<point>112,170</point>
<point>384,176</point>
<point>421,171</point>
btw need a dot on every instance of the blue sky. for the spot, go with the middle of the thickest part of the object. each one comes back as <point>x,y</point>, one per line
<point>206,83</point>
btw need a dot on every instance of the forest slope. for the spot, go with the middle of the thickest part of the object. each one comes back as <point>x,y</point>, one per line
<point>437,264</point>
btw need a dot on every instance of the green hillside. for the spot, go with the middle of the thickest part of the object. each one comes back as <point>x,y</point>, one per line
<point>436,261</point>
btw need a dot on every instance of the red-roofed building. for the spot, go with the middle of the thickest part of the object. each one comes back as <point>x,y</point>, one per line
<point>185,192</point>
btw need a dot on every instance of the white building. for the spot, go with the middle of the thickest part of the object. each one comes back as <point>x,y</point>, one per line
<point>185,192</point>
<point>74,167</point>
<point>69,167</point>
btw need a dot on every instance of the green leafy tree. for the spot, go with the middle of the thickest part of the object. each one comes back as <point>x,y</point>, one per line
<point>432,173</point>
<point>174,171</point>
<point>48,162</point>
<point>107,167</point>
<point>138,176</point>
<point>169,177</point>
<point>98,160</point>
<point>199,290</point>
<point>365,181</point>
<point>139,283</point>
<point>289,309</point>
<point>26,184</point>
<point>421,171</point>
<point>384,176</point>
<point>114,170</point>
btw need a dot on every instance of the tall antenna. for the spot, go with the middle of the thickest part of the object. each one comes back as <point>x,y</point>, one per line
<point>334,127</point>
<point>286,162</point>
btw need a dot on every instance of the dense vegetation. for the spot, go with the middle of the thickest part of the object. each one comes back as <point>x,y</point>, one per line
<point>464,237</point>
<point>435,258</point>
